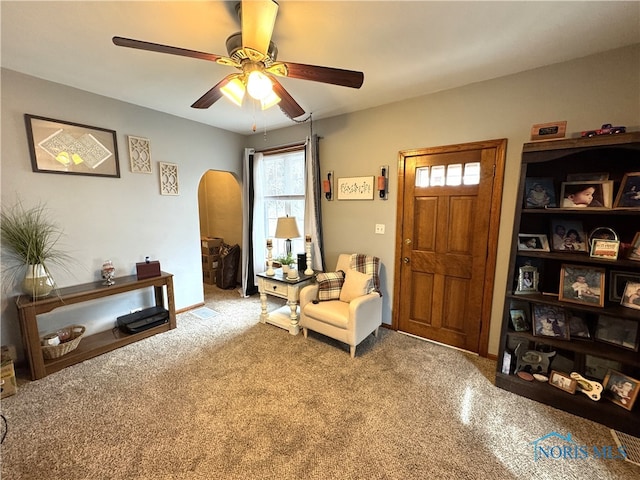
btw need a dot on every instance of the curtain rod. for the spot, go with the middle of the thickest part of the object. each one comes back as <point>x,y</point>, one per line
<point>283,148</point>
<point>290,147</point>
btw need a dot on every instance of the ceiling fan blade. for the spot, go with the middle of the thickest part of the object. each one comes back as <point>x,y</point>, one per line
<point>213,95</point>
<point>287,104</point>
<point>258,19</point>
<point>315,73</point>
<point>156,47</point>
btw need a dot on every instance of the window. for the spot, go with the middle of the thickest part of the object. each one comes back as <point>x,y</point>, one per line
<point>435,176</point>
<point>283,194</point>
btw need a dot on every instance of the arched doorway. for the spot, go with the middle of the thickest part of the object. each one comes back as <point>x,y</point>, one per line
<point>220,213</point>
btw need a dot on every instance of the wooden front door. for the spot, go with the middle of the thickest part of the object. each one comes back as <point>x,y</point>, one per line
<point>447,240</point>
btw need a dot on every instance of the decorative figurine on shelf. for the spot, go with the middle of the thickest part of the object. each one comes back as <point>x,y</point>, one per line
<point>270,270</point>
<point>307,244</point>
<point>108,273</point>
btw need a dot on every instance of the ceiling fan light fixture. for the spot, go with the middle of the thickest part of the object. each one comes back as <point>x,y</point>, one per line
<point>270,100</point>
<point>234,91</point>
<point>258,85</point>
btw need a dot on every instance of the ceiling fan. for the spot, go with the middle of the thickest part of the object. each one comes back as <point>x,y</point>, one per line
<point>253,53</point>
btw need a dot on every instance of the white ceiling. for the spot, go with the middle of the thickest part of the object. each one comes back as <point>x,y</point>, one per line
<point>404,48</point>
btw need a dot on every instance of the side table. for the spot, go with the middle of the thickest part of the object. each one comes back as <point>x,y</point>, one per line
<point>280,286</point>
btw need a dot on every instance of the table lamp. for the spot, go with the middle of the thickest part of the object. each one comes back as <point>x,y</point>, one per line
<point>287,228</point>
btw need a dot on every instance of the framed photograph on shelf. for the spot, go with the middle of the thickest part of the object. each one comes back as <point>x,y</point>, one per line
<point>634,251</point>
<point>550,321</point>
<point>70,148</point>
<point>587,176</point>
<point>580,284</point>
<point>629,193</point>
<point>587,194</point>
<point>618,281</point>
<point>519,320</point>
<point>596,367</point>
<point>539,193</point>
<point>617,331</point>
<point>606,249</point>
<point>568,236</point>
<point>631,295</point>
<point>527,280</point>
<point>621,389</point>
<point>536,242</point>
<point>578,326</point>
<point>563,381</point>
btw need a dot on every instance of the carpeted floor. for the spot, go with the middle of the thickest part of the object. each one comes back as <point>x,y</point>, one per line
<point>225,397</point>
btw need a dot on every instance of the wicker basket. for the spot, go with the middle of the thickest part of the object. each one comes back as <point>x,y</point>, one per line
<point>75,335</point>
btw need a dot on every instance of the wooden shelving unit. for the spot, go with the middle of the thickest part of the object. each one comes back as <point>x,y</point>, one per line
<point>555,159</point>
<point>91,345</point>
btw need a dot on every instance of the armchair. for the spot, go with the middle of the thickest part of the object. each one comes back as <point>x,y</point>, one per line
<point>351,319</point>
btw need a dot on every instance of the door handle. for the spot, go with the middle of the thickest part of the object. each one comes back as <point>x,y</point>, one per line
<point>405,260</point>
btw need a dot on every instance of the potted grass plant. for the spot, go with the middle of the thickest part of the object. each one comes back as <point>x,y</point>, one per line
<point>29,240</point>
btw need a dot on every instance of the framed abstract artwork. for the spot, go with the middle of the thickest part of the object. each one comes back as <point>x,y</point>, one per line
<point>71,148</point>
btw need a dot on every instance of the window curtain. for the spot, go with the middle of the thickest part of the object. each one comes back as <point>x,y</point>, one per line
<point>313,197</point>
<point>249,285</point>
<point>259,253</point>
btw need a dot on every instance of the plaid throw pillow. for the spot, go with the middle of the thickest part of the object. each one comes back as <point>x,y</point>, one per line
<point>329,285</point>
<point>370,265</point>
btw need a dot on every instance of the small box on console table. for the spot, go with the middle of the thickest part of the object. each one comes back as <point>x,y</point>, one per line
<point>148,269</point>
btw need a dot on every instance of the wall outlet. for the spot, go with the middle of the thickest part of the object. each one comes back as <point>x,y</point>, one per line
<point>380,228</point>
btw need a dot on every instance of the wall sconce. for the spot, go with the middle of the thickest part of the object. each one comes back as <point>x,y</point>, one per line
<point>327,186</point>
<point>383,182</point>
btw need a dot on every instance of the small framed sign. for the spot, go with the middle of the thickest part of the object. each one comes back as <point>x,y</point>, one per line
<point>355,188</point>
<point>607,249</point>
<point>544,131</point>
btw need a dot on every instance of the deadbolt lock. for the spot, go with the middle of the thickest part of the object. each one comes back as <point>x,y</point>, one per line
<point>408,241</point>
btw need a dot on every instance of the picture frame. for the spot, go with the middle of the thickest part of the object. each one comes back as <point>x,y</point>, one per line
<point>568,236</point>
<point>631,295</point>
<point>578,326</point>
<point>519,320</point>
<point>602,233</point>
<point>620,389</point>
<point>617,283</point>
<point>606,249</point>
<point>539,192</point>
<point>587,176</point>
<point>550,321</point>
<point>563,381</point>
<point>61,147</point>
<point>527,280</point>
<point>355,188</point>
<point>597,367</point>
<point>581,284</point>
<point>634,251</point>
<point>621,332</point>
<point>629,193</point>
<point>546,131</point>
<point>594,194</point>
<point>533,242</point>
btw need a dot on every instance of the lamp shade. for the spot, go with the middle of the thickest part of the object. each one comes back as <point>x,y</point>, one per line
<point>287,228</point>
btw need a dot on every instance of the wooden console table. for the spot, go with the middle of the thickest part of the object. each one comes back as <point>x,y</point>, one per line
<point>92,345</point>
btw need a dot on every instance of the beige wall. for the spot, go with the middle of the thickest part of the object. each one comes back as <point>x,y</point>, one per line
<point>585,92</point>
<point>220,206</point>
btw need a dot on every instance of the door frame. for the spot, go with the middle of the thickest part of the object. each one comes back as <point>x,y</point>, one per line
<point>494,225</point>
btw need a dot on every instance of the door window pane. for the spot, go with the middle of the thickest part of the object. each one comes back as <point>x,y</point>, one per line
<point>454,174</point>
<point>437,176</point>
<point>422,177</point>
<point>471,173</point>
